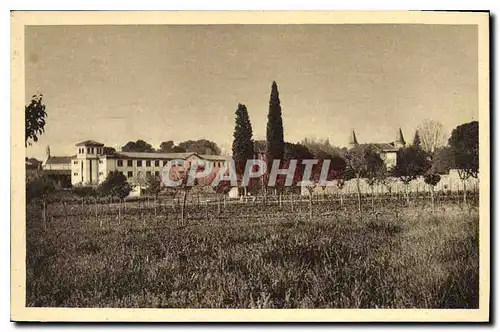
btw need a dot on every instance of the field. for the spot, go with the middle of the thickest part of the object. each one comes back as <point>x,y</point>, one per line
<point>252,255</point>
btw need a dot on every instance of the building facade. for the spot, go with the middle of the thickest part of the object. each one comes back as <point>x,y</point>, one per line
<point>388,152</point>
<point>91,165</point>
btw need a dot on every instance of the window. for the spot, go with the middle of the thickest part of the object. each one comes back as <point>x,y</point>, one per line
<point>129,163</point>
<point>120,172</point>
<point>119,163</point>
<point>130,174</point>
<point>157,163</point>
<point>148,173</point>
<point>75,174</point>
<point>165,162</point>
<point>88,150</point>
<point>100,173</point>
<point>93,151</point>
<point>148,163</point>
<point>100,161</point>
<point>139,163</point>
<point>75,162</point>
<point>157,173</point>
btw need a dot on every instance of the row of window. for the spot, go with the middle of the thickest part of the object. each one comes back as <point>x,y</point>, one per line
<point>131,174</point>
<point>148,163</point>
<point>90,150</point>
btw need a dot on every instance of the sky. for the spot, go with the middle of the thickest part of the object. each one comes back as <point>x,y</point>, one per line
<point>116,84</point>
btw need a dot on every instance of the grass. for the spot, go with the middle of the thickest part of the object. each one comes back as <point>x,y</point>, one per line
<point>414,259</point>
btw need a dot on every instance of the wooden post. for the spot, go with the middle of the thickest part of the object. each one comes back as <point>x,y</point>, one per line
<point>44,214</point>
<point>154,204</point>
<point>65,212</point>
<point>119,212</point>
<point>96,213</point>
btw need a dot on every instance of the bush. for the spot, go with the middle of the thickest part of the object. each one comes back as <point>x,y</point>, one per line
<point>84,191</point>
<point>40,187</point>
<point>115,185</point>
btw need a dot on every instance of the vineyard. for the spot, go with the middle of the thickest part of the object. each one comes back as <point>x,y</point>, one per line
<point>254,253</point>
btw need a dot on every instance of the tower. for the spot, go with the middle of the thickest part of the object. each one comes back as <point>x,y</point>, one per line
<point>87,165</point>
<point>400,141</point>
<point>352,140</point>
<point>47,151</point>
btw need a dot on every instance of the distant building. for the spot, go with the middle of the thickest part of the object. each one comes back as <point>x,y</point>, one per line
<point>91,166</point>
<point>388,152</point>
<point>58,168</point>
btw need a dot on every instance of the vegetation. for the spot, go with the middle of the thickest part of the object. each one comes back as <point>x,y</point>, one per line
<point>363,162</point>
<point>242,143</point>
<point>464,143</point>
<point>255,257</point>
<point>115,185</point>
<point>35,115</point>
<point>274,133</point>
<point>138,146</point>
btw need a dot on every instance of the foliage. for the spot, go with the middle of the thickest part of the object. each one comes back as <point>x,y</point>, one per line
<point>169,147</point>
<point>39,188</point>
<point>274,133</point>
<point>464,144</point>
<point>412,162</point>
<point>256,260</point>
<point>108,150</point>
<point>115,185</point>
<point>432,179</point>
<point>138,146</point>
<point>35,115</point>
<point>84,191</point>
<point>153,185</point>
<point>322,147</point>
<point>201,146</point>
<point>443,160</point>
<point>242,143</point>
<point>416,140</point>
<point>362,161</point>
<point>432,135</point>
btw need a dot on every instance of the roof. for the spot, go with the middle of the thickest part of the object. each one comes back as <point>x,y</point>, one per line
<point>385,147</point>
<point>89,143</point>
<point>161,155</point>
<point>59,159</point>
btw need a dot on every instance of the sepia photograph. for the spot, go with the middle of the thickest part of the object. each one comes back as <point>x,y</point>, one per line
<point>287,161</point>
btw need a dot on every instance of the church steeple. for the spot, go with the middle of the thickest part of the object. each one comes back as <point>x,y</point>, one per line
<point>400,141</point>
<point>352,140</point>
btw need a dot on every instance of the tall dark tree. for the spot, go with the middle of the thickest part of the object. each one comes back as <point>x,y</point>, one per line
<point>35,119</point>
<point>274,134</point>
<point>416,140</point>
<point>464,144</point>
<point>242,142</point>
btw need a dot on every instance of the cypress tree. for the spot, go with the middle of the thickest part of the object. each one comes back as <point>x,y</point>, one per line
<point>242,143</point>
<point>275,140</point>
<point>416,140</point>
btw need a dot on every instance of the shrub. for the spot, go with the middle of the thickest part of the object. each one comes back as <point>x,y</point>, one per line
<point>115,185</point>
